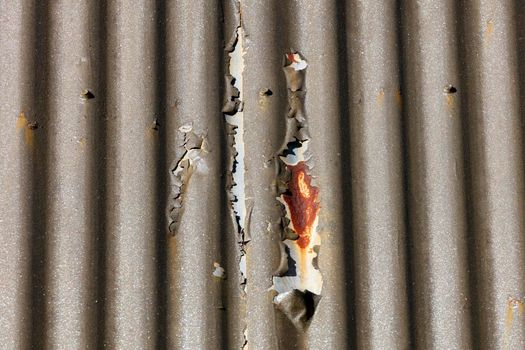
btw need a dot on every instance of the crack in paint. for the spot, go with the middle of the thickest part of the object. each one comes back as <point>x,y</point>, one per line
<point>195,148</point>
<point>234,117</point>
<point>299,281</point>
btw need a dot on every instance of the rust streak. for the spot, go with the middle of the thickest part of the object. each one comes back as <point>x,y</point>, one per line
<point>302,202</point>
<point>22,123</point>
<point>512,304</point>
<point>380,97</point>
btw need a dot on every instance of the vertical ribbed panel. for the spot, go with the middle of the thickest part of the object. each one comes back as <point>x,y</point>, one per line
<point>437,218</point>
<point>265,121</point>
<point>496,173</point>
<point>16,61</point>
<point>71,231</point>
<point>131,179</point>
<point>375,103</point>
<point>194,294</point>
<point>316,25</point>
<point>416,127</point>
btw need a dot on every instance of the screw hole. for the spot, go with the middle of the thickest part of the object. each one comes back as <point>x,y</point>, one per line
<point>450,89</point>
<point>87,95</point>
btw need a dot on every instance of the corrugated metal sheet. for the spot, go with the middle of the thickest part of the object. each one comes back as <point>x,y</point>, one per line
<point>415,113</point>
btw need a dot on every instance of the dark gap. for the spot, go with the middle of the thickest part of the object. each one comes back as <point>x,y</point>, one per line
<point>462,29</point>
<point>310,302</point>
<point>161,174</point>
<point>292,267</point>
<point>100,135</point>
<point>344,72</point>
<point>406,177</point>
<point>37,104</point>
<point>519,10</point>
<point>226,340</point>
<point>291,147</point>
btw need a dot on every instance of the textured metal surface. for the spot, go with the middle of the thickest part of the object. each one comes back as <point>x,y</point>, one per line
<point>416,120</point>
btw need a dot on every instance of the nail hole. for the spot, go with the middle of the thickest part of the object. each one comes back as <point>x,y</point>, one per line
<point>450,89</point>
<point>155,124</point>
<point>266,92</point>
<point>86,94</point>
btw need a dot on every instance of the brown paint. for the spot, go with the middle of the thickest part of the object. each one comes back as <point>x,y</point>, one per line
<point>302,202</point>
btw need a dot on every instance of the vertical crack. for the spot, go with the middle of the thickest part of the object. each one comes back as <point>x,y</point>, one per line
<point>234,116</point>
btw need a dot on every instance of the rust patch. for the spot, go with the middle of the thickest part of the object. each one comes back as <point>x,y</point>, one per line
<point>298,281</point>
<point>450,102</point>
<point>380,97</point>
<point>399,98</point>
<point>302,202</point>
<point>22,123</point>
<point>449,91</point>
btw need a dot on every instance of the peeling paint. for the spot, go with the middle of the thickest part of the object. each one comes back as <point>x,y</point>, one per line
<point>245,337</point>
<point>233,110</point>
<point>234,115</point>
<point>195,148</point>
<point>299,282</point>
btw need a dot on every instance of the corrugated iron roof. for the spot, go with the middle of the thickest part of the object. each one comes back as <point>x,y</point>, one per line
<point>118,216</point>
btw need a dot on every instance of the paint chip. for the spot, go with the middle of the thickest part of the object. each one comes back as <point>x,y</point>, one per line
<point>295,61</point>
<point>218,271</point>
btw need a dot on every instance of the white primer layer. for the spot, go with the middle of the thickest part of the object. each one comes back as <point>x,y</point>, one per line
<point>237,120</point>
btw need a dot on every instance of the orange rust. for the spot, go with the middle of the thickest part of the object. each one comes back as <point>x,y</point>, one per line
<point>399,98</point>
<point>509,315</point>
<point>489,31</point>
<point>302,202</point>
<point>450,102</point>
<point>512,303</point>
<point>291,58</point>
<point>380,97</point>
<point>22,123</point>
